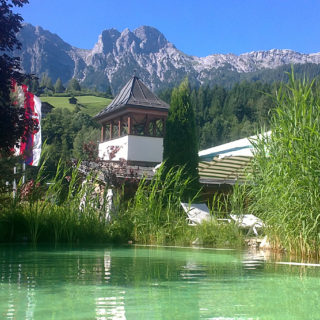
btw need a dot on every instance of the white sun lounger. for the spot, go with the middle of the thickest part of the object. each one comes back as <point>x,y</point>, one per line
<point>248,221</point>
<point>196,212</point>
<point>199,212</point>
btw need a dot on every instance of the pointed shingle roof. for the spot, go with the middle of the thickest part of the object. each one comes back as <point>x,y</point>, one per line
<point>133,94</point>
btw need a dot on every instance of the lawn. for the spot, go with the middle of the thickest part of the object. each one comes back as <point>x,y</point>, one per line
<point>90,104</point>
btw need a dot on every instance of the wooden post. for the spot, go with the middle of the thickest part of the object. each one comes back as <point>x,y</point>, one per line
<point>129,125</point>
<point>102,133</point>
<point>111,128</point>
<point>146,126</point>
<point>119,127</point>
<point>163,127</point>
<point>154,127</point>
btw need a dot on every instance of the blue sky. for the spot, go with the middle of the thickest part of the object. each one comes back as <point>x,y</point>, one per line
<point>196,27</point>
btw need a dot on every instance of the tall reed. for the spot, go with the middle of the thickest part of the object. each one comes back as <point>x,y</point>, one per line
<point>156,210</point>
<point>66,210</point>
<point>69,209</point>
<point>286,177</point>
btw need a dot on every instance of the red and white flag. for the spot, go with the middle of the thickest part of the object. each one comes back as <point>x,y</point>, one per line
<point>30,145</point>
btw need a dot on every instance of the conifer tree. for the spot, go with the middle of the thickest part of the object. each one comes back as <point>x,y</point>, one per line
<point>74,85</point>
<point>35,86</point>
<point>46,82</point>
<point>49,85</point>
<point>108,93</point>
<point>180,141</point>
<point>58,87</point>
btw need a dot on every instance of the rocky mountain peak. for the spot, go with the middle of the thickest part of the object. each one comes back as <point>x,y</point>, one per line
<point>151,39</point>
<point>145,49</point>
<point>30,35</point>
<point>143,40</point>
<point>106,41</point>
<point>126,42</point>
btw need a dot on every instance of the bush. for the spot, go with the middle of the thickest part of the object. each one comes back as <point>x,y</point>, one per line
<point>217,234</point>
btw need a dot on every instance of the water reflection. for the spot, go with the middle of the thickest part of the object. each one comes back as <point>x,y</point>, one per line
<point>193,271</point>
<point>109,307</point>
<point>254,259</point>
<point>107,266</point>
<point>153,283</point>
<point>31,299</point>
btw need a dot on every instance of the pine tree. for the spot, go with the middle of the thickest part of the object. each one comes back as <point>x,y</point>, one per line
<point>45,81</point>
<point>108,93</point>
<point>74,85</point>
<point>49,84</point>
<point>58,87</point>
<point>35,86</point>
<point>180,141</point>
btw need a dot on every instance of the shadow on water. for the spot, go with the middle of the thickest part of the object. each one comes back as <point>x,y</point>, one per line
<point>130,282</point>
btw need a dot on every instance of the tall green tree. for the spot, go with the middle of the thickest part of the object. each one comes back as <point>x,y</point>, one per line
<point>13,121</point>
<point>46,83</point>
<point>35,86</point>
<point>83,137</point>
<point>58,86</point>
<point>66,133</point>
<point>108,93</point>
<point>74,85</point>
<point>180,141</point>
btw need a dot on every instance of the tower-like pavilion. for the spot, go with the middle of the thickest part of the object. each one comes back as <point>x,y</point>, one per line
<point>133,126</point>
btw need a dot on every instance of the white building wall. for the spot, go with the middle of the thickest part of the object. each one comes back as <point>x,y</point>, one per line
<point>105,149</point>
<point>133,148</point>
<point>142,148</point>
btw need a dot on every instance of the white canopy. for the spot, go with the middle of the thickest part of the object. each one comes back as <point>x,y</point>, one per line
<point>227,163</point>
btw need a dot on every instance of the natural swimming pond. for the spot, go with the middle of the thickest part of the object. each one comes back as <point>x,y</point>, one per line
<point>153,283</point>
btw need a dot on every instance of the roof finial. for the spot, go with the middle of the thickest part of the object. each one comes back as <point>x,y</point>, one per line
<point>134,72</point>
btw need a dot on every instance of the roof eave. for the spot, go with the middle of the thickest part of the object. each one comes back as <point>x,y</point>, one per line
<point>122,110</point>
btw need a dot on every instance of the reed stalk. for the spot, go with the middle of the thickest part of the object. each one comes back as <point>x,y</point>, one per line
<point>286,177</point>
<point>156,210</point>
<point>34,216</point>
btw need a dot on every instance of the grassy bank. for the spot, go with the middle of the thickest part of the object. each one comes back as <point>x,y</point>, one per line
<point>59,212</point>
<point>71,211</point>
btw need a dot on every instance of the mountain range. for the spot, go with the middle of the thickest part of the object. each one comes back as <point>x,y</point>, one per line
<point>145,52</point>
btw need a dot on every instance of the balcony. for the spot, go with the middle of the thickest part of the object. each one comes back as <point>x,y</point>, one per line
<point>132,148</point>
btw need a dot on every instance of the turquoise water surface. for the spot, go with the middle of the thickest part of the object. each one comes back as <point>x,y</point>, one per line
<point>153,283</point>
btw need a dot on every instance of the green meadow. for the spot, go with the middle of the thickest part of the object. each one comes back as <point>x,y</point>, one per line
<point>88,104</point>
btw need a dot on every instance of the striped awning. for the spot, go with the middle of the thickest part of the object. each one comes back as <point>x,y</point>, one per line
<point>225,170</point>
<point>227,163</point>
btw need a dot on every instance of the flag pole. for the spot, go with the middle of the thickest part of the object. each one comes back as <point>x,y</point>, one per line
<point>14,185</point>
<point>23,172</point>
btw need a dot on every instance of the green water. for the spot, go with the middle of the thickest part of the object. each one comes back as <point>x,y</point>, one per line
<point>153,283</point>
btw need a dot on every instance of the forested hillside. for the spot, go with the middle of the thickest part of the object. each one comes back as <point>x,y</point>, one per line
<point>227,77</point>
<point>223,115</point>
